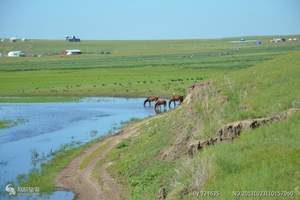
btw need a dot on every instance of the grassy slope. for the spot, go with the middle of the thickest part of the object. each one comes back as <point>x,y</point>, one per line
<point>266,155</point>
<point>265,159</point>
<point>134,68</point>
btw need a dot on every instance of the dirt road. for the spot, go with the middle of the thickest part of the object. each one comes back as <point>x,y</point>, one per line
<point>85,182</point>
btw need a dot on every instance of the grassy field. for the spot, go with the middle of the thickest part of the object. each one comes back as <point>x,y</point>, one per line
<point>132,68</point>
<point>258,81</point>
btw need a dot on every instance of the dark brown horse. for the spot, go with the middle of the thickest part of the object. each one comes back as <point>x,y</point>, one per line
<point>175,99</point>
<point>158,104</point>
<point>150,99</point>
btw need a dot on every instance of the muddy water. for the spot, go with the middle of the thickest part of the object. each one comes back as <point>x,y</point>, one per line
<point>45,127</point>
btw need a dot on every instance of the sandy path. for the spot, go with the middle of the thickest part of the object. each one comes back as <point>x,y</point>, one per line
<point>103,186</point>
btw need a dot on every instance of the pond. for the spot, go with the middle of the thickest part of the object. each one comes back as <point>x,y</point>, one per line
<point>44,127</point>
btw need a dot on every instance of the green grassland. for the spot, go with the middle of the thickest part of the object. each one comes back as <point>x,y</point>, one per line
<point>132,68</point>
<point>258,81</point>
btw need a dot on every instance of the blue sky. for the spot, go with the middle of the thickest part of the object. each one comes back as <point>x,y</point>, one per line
<point>148,19</point>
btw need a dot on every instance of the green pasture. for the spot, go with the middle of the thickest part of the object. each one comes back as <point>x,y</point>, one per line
<point>125,68</point>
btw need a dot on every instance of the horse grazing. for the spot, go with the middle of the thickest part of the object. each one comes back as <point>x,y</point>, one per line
<point>158,104</point>
<point>176,98</point>
<point>150,99</point>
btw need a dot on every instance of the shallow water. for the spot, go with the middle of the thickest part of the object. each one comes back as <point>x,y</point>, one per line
<point>44,127</point>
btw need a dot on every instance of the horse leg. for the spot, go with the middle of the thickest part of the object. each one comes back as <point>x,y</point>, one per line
<point>160,107</point>
<point>145,102</point>
<point>173,100</point>
<point>157,108</point>
<point>170,102</point>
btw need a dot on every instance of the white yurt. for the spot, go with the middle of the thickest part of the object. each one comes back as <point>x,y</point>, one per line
<point>72,51</point>
<point>16,54</point>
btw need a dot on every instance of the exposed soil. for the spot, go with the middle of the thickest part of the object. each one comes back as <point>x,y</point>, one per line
<point>234,129</point>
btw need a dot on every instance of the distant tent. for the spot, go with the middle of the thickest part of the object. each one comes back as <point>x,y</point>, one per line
<point>72,52</point>
<point>258,42</point>
<point>276,40</point>
<point>16,54</point>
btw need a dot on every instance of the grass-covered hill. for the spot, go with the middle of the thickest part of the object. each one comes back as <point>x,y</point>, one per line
<point>264,159</point>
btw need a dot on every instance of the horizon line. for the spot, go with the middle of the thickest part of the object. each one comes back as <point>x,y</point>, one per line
<point>161,39</point>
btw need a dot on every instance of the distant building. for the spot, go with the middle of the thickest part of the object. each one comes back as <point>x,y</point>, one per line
<point>16,54</point>
<point>72,52</point>
<point>72,38</point>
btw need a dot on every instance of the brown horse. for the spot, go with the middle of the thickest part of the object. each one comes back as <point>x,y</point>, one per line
<point>158,104</point>
<point>150,99</point>
<point>175,99</point>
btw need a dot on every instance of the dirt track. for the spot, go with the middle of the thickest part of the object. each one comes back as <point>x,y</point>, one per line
<point>102,186</point>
